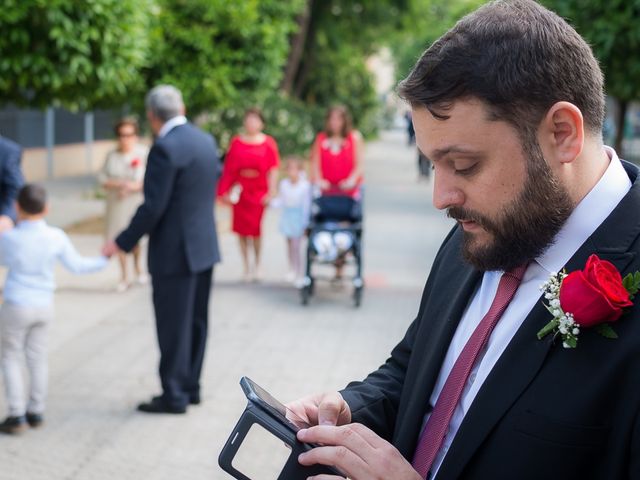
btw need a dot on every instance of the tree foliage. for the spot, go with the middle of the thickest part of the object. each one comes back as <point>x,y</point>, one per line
<point>219,52</point>
<point>611,27</point>
<point>339,36</point>
<point>79,54</point>
<point>423,24</point>
<point>290,121</point>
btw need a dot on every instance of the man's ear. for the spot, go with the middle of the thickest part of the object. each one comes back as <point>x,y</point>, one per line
<point>562,129</point>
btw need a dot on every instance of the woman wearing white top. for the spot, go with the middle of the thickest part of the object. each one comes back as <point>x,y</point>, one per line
<point>122,177</point>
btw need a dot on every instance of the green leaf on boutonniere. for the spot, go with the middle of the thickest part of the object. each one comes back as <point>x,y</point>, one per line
<point>548,328</point>
<point>606,331</point>
<point>631,284</point>
<point>570,342</point>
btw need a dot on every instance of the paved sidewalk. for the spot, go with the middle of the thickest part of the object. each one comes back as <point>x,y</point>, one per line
<point>103,354</point>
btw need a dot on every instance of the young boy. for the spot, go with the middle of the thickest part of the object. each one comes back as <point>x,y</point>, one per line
<point>30,251</point>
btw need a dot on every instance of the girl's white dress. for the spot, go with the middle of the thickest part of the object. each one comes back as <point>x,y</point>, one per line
<point>295,201</point>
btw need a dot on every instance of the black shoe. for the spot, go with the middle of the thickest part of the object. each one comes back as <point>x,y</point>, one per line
<point>14,425</point>
<point>193,399</point>
<point>35,420</point>
<point>157,405</point>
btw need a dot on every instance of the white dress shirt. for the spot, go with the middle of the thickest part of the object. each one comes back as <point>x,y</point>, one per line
<point>31,251</point>
<point>594,208</point>
<point>171,124</point>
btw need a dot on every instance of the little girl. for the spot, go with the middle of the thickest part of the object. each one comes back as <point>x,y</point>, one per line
<point>294,197</point>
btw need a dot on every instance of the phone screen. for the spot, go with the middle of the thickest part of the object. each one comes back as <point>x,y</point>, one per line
<point>275,407</point>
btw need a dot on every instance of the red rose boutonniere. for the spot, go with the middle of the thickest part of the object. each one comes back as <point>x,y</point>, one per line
<point>135,162</point>
<point>593,297</point>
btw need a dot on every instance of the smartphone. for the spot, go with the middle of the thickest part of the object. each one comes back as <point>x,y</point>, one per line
<point>260,396</point>
<point>263,444</point>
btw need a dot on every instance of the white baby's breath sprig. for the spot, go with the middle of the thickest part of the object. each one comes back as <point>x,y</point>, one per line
<point>563,323</point>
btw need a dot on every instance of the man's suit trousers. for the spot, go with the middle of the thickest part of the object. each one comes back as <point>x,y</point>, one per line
<point>181,304</point>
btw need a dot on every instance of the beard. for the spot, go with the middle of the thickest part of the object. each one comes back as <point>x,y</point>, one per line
<point>524,229</point>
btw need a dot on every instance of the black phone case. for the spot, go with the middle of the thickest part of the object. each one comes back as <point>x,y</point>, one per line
<point>292,469</point>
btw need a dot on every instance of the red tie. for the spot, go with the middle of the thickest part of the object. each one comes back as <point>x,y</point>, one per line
<point>438,423</point>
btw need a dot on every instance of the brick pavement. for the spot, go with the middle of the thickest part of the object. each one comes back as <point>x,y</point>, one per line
<point>103,355</point>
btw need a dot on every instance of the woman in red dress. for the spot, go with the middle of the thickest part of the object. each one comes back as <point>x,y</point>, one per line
<point>251,163</point>
<point>336,160</point>
<point>336,155</point>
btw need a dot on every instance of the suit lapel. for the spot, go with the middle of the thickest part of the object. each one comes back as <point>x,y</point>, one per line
<point>525,354</point>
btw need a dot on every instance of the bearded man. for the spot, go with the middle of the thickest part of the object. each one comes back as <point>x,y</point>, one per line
<point>509,106</point>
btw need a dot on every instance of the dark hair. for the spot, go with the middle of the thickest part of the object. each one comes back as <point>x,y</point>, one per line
<point>516,56</point>
<point>254,111</point>
<point>346,120</point>
<point>32,198</point>
<point>125,121</point>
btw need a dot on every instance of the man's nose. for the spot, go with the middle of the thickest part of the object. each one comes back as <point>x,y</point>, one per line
<point>445,192</point>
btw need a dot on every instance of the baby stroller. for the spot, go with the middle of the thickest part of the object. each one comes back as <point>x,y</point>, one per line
<point>335,237</point>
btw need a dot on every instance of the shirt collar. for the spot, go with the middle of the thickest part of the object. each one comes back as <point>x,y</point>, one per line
<point>592,210</point>
<point>171,124</point>
<point>30,223</point>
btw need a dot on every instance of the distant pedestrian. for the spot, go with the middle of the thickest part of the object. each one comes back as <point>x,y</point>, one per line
<point>178,215</point>
<point>30,251</point>
<point>424,165</point>
<point>294,198</point>
<point>10,181</point>
<point>122,177</point>
<point>411,132</point>
<point>251,164</point>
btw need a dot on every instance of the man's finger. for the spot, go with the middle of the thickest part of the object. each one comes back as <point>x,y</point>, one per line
<point>333,410</point>
<point>345,436</point>
<point>336,456</point>
<point>368,435</point>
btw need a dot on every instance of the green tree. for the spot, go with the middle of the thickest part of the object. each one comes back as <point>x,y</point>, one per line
<point>78,54</point>
<point>612,29</point>
<point>423,24</point>
<point>220,53</point>
<point>327,58</point>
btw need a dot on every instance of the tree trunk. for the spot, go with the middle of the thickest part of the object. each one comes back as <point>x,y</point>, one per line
<point>298,42</point>
<point>620,124</point>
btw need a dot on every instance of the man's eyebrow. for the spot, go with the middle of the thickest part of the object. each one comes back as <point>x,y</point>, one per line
<point>441,152</point>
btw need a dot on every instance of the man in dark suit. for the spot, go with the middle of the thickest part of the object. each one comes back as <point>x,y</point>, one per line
<point>509,107</point>
<point>11,181</point>
<point>177,213</point>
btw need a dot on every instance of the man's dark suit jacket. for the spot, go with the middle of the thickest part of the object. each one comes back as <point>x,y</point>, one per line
<point>177,213</point>
<point>544,412</point>
<point>10,176</point>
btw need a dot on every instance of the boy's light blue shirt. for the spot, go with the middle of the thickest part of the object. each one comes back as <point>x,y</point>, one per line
<point>30,251</point>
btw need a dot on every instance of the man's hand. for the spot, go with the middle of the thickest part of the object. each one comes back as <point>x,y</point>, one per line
<point>110,248</point>
<point>357,452</point>
<point>5,223</point>
<point>322,409</point>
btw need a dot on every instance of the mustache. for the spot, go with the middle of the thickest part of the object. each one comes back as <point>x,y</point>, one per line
<point>462,214</point>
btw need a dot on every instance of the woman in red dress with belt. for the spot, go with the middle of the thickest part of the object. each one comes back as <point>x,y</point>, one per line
<point>252,163</point>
